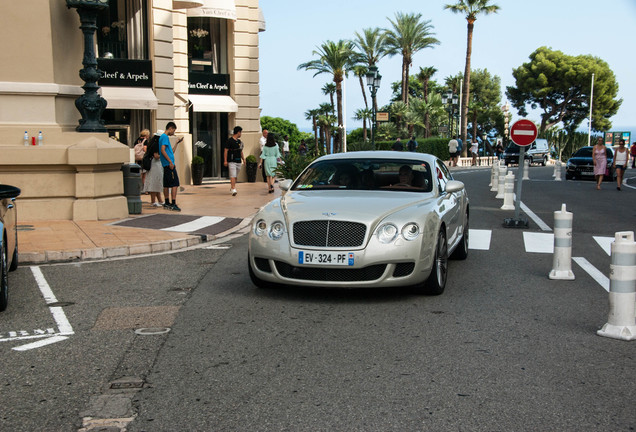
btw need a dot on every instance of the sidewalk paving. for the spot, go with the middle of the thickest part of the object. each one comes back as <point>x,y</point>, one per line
<point>63,241</point>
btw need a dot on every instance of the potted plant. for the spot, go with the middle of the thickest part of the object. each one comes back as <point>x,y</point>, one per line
<point>251,164</point>
<point>197,170</point>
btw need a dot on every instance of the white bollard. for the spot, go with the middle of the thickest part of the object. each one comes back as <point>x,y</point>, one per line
<point>557,167</point>
<point>526,169</point>
<point>562,257</point>
<point>493,167</point>
<point>495,178</point>
<point>501,182</point>
<point>621,323</point>
<point>509,192</point>
<point>557,172</point>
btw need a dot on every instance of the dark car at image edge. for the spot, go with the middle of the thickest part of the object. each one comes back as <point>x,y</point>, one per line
<point>581,164</point>
<point>8,240</point>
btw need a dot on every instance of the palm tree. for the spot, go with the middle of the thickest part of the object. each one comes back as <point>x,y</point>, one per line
<point>334,58</point>
<point>408,36</point>
<point>372,47</point>
<point>470,8</point>
<point>313,116</point>
<point>330,89</point>
<point>361,71</point>
<point>424,77</point>
<point>363,114</point>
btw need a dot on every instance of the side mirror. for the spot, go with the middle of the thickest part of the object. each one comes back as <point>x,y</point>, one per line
<point>285,184</point>
<point>7,191</point>
<point>454,186</point>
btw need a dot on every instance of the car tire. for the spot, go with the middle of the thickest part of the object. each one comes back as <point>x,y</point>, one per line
<point>436,281</point>
<point>259,283</point>
<point>4,278</point>
<point>544,161</point>
<point>461,251</point>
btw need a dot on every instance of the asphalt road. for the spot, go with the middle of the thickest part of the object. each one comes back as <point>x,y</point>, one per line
<point>504,348</point>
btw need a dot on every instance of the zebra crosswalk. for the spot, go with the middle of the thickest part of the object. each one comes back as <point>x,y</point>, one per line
<point>195,225</point>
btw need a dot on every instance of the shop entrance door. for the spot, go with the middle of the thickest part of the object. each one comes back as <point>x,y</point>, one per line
<point>207,140</point>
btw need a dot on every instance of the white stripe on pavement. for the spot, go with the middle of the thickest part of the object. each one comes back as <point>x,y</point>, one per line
<point>535,218</point>
<point>479,239</point>
<point>605,243</point>
<point>593,272</point>
<point>41,343</point>
<point>195,225</point>
<point>538,242</point>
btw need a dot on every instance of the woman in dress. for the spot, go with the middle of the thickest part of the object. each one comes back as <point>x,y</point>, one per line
<point>620,162</point>
<point>599,156</point>
<point>140,149</point>
<point>269,159</point>
<point>154,179</point>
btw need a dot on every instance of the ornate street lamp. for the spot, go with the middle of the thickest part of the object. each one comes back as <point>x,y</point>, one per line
<point>506,113</point>
<point>91,105</point>
<point>450,100</point>
<point>373,81</point>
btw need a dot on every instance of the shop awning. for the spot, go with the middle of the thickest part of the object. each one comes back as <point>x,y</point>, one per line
<point>129,97</point>
<point>186,4</point>
<point>215,9</point>
<point>212,103</point>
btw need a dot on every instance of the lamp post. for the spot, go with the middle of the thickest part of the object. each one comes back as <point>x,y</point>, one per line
<point>506,114</point>
<point>450,100</point>
<point>91,105</point>
<point>373,81</point>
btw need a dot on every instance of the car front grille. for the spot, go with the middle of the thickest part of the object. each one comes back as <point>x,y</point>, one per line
<point>329,233</point>
<point>403,269</point>
<point>365,274</point>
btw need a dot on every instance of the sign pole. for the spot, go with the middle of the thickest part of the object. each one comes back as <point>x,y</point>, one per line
<point>522,164</point>
<point>523,133</point>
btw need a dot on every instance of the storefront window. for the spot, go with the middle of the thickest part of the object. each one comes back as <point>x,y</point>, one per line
<point>122,30</point>
<point>207,45</point>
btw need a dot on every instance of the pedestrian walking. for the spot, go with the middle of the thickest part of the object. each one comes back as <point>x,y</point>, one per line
<point>632,150</point>
<point>397,145</point>
<point>302,148</point>
<point>474,151</point>
<point>412,144</point>
<point>140,150</point>
<point>599,157</point>
<point>285,147</point>
<point>154,178</point>
<point>170,177</point>
<point>261,141</point>
<point>452,150</point>
<point>233,156</point>
<point>621,157</point>
<point>270,156</point>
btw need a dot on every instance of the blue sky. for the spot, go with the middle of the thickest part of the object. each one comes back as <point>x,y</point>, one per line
<point>501,42</point>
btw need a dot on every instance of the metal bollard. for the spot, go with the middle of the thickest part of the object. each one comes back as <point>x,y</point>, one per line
<point>509,192</point>
<point>621,323</point>
<point>557,171</point>
<point>526,170</point>
<point>493,167</point>
<point>501,182</point>
<point>562,256</point>
<point>495,178</point>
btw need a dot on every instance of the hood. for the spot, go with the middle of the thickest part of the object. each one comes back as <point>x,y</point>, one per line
<point>360,206</point>
<point>580,161</point>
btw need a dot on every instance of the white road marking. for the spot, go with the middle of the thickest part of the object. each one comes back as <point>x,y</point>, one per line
<point>538,242</point>
<point>605,243</point>
<point>41,343</point>
<point>593,272</point>
<point>479,239</point>
<point>195,225</point>
<point>535,218</point>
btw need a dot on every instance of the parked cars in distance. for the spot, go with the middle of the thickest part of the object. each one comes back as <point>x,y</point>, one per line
<point>536,153</point>
<point>8,240</point>
<point>581,163</point>
<point>362,220</point>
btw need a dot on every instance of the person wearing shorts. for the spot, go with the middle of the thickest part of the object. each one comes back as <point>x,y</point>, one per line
<point>233,157</point>
<point>170,176</point>
<point>621,156</point>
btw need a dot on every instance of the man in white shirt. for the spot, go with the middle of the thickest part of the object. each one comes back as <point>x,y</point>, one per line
<point>452,150</point>
<point>286,146</point>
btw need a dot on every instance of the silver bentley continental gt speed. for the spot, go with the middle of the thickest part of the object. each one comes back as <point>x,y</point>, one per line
<point>360,220</point>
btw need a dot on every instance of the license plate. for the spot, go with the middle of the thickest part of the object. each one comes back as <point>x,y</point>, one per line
<point>325,258</point>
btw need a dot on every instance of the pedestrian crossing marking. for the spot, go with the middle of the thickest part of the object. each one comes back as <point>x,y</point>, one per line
<point>538,242</point>
<point>479,239</point>
<point>195,225</point>
<point>593,272</point>
<point>605,243</point>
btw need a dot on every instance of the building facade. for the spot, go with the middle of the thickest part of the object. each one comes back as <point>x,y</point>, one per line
<point>192,62</point>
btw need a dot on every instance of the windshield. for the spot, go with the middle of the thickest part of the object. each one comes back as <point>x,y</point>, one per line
<point>366,174</point>
<point>583,152</point>
<point>512,148</point>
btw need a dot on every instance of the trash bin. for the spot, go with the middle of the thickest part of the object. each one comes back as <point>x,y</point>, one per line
<point>132,187</point>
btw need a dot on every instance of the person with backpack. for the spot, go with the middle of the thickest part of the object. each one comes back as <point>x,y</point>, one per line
<point>140,151</point>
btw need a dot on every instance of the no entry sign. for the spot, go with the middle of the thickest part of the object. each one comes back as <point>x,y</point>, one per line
<point>523,132</point>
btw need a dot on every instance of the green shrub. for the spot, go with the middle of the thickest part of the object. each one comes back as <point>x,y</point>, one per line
<point>293,165</point>
<point>251,158</point>
<point>198,160</point>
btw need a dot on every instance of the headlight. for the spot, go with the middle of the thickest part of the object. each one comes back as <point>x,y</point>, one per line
<point>386,233</point>
<point>277,230</point>
<point>260,227</point>
<point>410,231</point>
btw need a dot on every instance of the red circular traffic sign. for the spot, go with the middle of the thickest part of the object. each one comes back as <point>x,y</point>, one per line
<point>523,132</point>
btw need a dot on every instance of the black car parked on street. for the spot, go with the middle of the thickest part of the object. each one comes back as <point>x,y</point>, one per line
<point>581,164</point>
<point>8,239</point>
